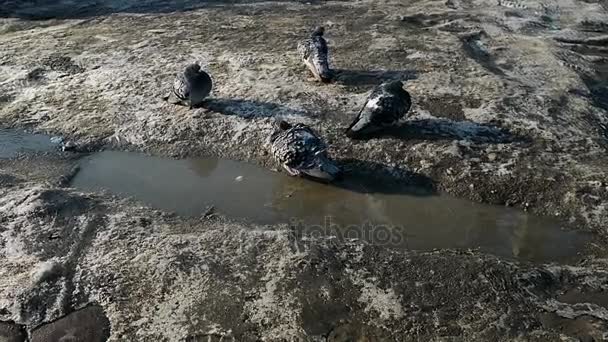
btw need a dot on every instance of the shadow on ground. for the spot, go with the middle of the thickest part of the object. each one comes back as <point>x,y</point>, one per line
<point>598,90</point>
<point>250,108</point>
<point>358,78</point>
<point>445,129</point>
<point>473,46</point>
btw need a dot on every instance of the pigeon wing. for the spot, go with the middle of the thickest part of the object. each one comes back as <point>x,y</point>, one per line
<point>181,87</point>
<point>305,48</point>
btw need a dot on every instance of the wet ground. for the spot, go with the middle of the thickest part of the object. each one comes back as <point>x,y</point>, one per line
<point>356,208</point>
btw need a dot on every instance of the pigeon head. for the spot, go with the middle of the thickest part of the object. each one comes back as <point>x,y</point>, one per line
<point>283,125</point>
<point>319,31</point>
<point>394,86</point>
<point>192,70</point>
<point>279,127</point>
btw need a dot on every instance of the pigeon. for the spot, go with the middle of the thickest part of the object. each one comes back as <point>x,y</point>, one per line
<point>385,106</point>
<point>191,86</point>
<point>301,152</point>
<point>313,52</point>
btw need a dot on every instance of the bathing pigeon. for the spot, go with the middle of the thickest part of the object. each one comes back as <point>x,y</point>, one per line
<point>301,152</point>
<point>313,52</point>
<point>385,106</point>
<point>191,86</point>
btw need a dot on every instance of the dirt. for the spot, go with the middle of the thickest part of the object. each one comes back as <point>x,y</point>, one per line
<point>509,108</point>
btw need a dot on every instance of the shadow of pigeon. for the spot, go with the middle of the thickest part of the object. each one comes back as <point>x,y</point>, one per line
<point>250,108</point>
<point>474,47</point>
<point>361,78</point>
<point>445,129</point>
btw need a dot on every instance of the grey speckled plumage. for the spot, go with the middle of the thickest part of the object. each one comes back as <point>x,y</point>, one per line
<point>315,55</point>
<point>385,106</point>
<point>191,87</point>
<point>300,151</point>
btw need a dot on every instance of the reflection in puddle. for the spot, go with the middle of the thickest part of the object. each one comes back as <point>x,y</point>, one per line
<point>13,142</point>
<point>397,217</point>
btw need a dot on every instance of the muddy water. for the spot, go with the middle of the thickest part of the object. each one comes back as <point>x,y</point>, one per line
<point>392,216</point>
<point>13,142</point>
<point>88,324</point>
<point>575,296</point>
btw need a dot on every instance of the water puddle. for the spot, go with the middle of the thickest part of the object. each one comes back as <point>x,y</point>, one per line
<point>11,332</point>
<point>13,142</point>
<point>386,215</point>
<point>576,296</point>
<point>87,324</point>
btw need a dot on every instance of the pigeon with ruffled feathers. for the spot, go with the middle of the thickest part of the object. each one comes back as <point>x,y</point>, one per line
<point>315,55</point>
<point>385,106</point>
<point>191,86</point>
<point>300,151</point>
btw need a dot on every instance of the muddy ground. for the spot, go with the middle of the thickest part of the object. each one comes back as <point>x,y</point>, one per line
<point>510,107</point>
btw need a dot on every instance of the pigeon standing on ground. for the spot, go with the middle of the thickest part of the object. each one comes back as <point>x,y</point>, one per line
<point>301,152</point>
<point>385,106</point>
<point>313,52</point>
<point>191,87</point>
